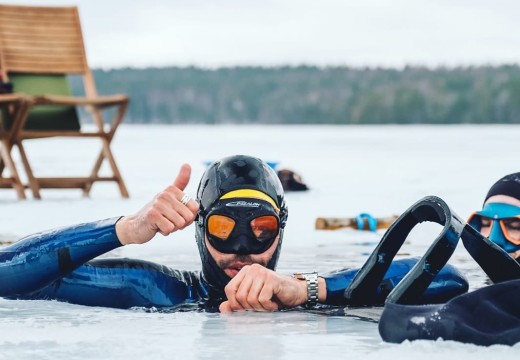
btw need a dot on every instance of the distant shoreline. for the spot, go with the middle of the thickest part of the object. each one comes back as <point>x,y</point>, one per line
<point>317,95</point>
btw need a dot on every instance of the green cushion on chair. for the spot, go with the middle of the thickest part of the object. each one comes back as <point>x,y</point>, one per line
<point>49,117</point>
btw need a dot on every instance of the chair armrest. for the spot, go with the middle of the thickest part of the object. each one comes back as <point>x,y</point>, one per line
<point>6,99</point>
<point>98,102</point>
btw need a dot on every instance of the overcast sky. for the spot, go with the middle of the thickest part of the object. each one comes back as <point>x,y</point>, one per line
<point>213,33</point>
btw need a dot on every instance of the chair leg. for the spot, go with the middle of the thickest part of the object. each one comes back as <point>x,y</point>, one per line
<point>106,153</point>
<point>5,157</point>
<point>33,182</point>
<point>93,174</point>
<point>115,170</point>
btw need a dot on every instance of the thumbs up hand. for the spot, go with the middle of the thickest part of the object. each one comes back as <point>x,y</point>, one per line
<point>169,211</point>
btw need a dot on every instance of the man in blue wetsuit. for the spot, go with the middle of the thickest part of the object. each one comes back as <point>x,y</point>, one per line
<point>240,214</point>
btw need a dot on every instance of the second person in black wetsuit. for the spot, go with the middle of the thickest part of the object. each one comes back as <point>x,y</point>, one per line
<point>240,214</point>
<point>489,315</point>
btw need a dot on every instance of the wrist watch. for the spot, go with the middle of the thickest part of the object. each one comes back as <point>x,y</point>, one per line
<point>312,287</point>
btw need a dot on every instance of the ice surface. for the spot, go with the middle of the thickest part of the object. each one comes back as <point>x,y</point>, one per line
<point>381,170</point>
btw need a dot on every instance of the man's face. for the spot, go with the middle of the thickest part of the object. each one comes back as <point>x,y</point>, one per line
<point>242,226</point>
<point>231,264</point>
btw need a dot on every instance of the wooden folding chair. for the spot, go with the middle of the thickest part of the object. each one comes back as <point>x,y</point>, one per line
<point>39,48</point>
<point>13,109</point>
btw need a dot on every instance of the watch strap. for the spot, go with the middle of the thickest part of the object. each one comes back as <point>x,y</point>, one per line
<point>312,287</point>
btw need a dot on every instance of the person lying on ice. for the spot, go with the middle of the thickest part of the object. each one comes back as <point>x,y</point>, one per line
<point>239,216</point>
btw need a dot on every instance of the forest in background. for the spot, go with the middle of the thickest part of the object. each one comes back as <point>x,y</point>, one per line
<point>316,95</point>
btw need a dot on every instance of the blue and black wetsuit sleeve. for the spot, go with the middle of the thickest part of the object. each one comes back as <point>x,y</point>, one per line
<point>37,260</point>
<point>125,283</point>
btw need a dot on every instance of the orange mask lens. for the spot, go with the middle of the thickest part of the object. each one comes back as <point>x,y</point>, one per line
<point>511,229</point>
<point>220,226</point>
<point>264,227</point>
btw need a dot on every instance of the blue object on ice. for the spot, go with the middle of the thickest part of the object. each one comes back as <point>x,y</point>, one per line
<point>272,164</point>
<point>372,221</point>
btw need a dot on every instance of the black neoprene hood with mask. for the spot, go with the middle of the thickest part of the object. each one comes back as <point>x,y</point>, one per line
<point>229,174</point>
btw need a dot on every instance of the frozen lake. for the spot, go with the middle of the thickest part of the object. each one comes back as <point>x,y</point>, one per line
<point>381,170</point>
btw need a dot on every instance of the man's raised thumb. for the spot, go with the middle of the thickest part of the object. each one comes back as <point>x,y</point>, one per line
<point>183,178</point>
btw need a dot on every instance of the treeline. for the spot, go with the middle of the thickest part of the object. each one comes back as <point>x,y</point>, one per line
<point>313,95</point>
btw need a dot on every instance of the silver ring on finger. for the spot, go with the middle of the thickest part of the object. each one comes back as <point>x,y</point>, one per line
<point>185,199</point>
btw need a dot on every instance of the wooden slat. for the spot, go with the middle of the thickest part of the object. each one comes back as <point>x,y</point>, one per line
<point>53,67</point>
<point>36,10</point>
<point>12,35</point>
<point>22,26</point>
<point>11,98</point>
<point>37,61</point>
<point>20,44</point>
<point>41,40</point>
<point>42,33</point>
<point>37,36</point>
<point>6,183</point>
<point>47,134</point>
<point>47,70</point>
<point>30,57</point>
<point>68,182</point>
<point>56,60</point>
<point>19,20</point>
<point>98,101</point>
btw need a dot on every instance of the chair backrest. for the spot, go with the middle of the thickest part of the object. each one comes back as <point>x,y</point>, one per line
<point>39,47</point>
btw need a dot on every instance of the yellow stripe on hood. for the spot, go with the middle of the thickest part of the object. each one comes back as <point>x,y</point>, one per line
<point>249,193</point>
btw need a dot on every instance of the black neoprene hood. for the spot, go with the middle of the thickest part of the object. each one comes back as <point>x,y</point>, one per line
<point>228,174</point>
<point>508,185</point>
<point>239,172</point>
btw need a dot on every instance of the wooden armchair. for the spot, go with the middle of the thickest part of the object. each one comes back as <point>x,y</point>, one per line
<point>39,48</point>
